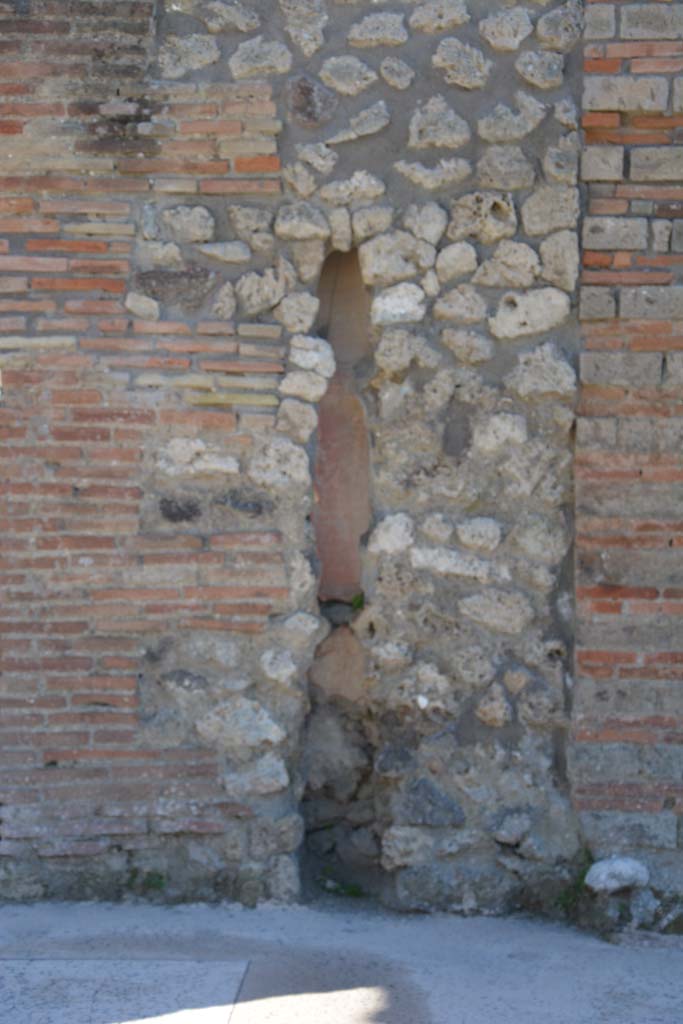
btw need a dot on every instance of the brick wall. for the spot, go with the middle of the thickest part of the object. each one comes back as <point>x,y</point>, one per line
<point>628,726</point>
<point>94,578</point>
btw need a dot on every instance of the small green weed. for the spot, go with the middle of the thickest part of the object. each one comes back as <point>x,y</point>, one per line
<point>568,900</point>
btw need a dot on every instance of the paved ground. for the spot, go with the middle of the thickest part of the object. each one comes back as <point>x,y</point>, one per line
<point>85,963</point>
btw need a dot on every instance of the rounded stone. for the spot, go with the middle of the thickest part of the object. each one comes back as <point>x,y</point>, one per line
<point>427,222</point>
<point>439,15</point>
<point>378,30</point>
<point>456,260</point>
<point>507,29</point>
<point>436,125</point>
<point>259,58</point>
<point>393,535</point>
<point>462,64</point>
<point>347,75</point>
<point>301,222</point>
<point>396,73</point>
<point>523,313</point>
<point>616,873</point>
<point>189,223</point>
<point>542,70</point>
<point>404,303</point>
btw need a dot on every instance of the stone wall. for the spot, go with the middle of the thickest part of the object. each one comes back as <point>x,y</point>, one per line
<point>288,336</point>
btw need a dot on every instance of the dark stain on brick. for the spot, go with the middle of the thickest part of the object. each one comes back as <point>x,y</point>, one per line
<point>180,510</point>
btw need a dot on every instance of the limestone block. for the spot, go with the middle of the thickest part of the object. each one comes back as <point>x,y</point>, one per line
<point>566,114</point>
<point>368,122</point>
<point>301,221</point>
<point>494,434</point>
<point>342,232</point>
<point>463,304</point>
<point>506,30</point>
<point>297,419</point>
<point>435,124</point>
<point>617,873</point>
<point>258,293</point>
<point>297,311</point>
<point>462,64</point>
<point>404,303</point>
<point>227,252</point>
<point>311,353</point>
<point>393,535</point>
<point>218,15</point>
<point>550,208</point>
<point>281,464</point>
<point>370,221</point>
<point>304,23</point>
<point>257,58</point>
<point>361,185</point>
<point>451,562</point>
<point>505,167</point>
<point>494,708</point>
<point>378,30</point>
<point>446,172</point>
<point>189,223</point>
<point>159,254</point>
<point>627,93</point>
<point>561,28</point>
<point>615,233</point>
<point>406,845</point>
<point>439,16</point>
<point>485,216</point>
<point>542,70</point>
<point>239,727</point>
<point>263,777</point>
<point>180,54</point>
<point>602,163</point>
<point>278,665</point>
<point>561,162</point>
<point>481,533</point>
<point>657,163</point>
<point>225,303</point>
<point>397,349</point>
<point>252,225</point>
<point>304,384</point>
<point>500,611</point>
<point>142,306</point>
<point>505,125</point>
<point>542,373</point>
<point>560,260</point>
<point>300,179</point>
<point>643,21</point>
<point>396,256</point>
<point>512,265</point>
<point>600,21</point>
<point>427,222</point>
<point>523,313</point>
<point>542,540</point>
<point>347,75</point>
<point>396,73</point>
<point>320,157</point>
<point>456,260</point>
<point>468,346</point>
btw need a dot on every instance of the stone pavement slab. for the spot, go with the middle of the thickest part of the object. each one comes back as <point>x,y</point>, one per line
<point>333,963</point>
<point>118,991</point>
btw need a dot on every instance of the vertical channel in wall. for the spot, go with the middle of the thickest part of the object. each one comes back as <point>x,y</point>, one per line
<point>338,759</point>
